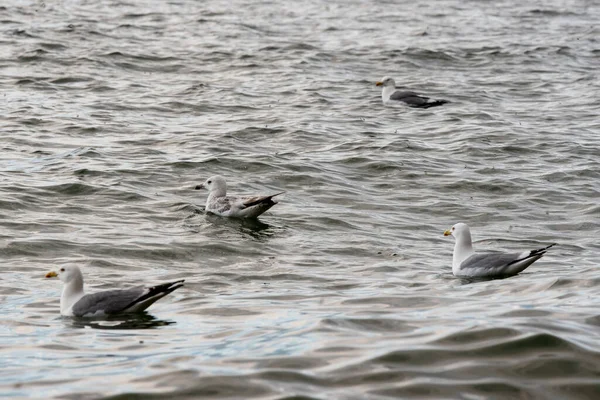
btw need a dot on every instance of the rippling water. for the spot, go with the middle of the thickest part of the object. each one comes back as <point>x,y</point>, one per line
<point>113,111</point>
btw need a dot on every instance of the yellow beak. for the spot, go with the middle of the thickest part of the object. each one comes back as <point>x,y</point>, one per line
<point>447,232</point>
<point>51,274</point>
<point>378,83</point>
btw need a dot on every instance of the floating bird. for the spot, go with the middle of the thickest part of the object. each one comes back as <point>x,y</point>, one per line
<point>390,95</point>
<point>466,263</point>
<point>74,303</point>
<point>236,207</point>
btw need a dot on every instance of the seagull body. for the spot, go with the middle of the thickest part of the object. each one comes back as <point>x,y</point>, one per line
<point>75,303</point>
<point>468,264</point>
<point>235,207</point>
<point>389,95</point>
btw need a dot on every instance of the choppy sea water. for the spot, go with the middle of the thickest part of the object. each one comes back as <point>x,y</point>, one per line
<point>113,111</point>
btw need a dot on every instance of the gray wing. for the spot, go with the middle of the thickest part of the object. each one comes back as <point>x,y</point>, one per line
<point>221,204</point>
<point>490,263</point>
<point>107,302</point>
<point>410,98</point>
<point>501,264</point>
<point>255,200</point>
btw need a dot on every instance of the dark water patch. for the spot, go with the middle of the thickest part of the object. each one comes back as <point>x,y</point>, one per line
<point>141,253</point>
<point>85,172</point>
<point>126,322</point>
<point>31,80</point>
<point>191,386</point>
<point>224,312</point>
<point>473,187</point>
<point>147,68</point>
<point>401,302</point>
<point>300,46</point>
<point>490,390</point>
<point>84,130</point>
<point>250,131</point>
<point>427,55</point>
<point>551,13</point>
<point>99,88</point>
<point>72,189</point>
<point>71,79</point>
<point>287,376</point>
<point>557,368</point>
<point>593,320</point>
<point>270,277</point>
<point>11,204</point>
<point>177,105</point>
<point>474,336</point>
<point>34,121</point>
<point>151,15</point>
<point>342,286</point>
<point>186,164</point>
<point>118,55</point>
<point>526,314</point>
<point>369,325</point>
<point>575,282</point>
<point>511,346</point>
<point>21,33</point>
<point>53,46</point>
<point>575,390</point>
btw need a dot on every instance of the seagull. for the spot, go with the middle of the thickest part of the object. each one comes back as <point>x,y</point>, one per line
<point>467,264</point>
<point>74,303</point>
<point>236,207</point>
<point>389,95</point>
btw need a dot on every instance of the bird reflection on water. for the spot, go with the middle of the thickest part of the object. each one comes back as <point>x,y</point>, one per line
<point>125,321</point>
<point>252,227</point>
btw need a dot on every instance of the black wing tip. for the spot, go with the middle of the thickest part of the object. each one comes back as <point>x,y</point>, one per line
<point>267,201</point>
<point>534,253</point>
<point>546,248</point>
<point>176,284</point>
<point>162,290</point>
<point>430,104</point>
<point>167,287</point>
<point>435,103</point>
<point>542,251</point>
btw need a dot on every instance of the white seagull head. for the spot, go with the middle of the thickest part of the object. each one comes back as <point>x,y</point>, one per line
<point>66,274</point>
<point>386,81</point>
<point>458,231</point>
<point>216,185</point>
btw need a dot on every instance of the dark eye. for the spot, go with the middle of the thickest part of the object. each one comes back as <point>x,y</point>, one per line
<point>452,228</point>
<point>62,270</point>
<point>209,182</point>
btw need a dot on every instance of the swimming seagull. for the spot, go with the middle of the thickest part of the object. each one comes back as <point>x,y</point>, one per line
<point>389,95</point>
<point>74,303</point>
<point>236,207</point>
<point>466,263</point>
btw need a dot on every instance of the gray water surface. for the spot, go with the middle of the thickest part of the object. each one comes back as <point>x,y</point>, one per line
<point>113,111</point>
